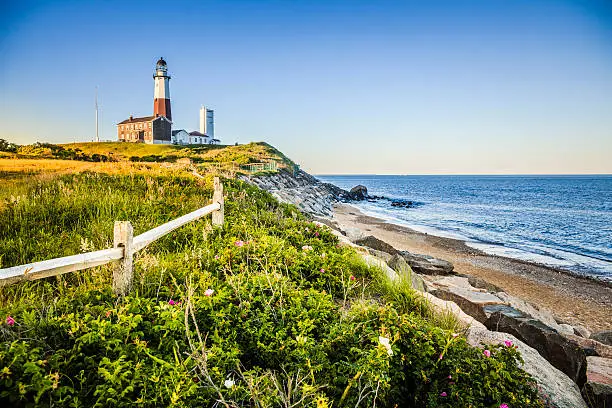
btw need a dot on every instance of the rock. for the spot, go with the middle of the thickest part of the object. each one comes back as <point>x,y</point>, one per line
<point>372,242</point>
<point>582,331</point>
<point>598,389</point>
<point>561,352</point>
<point>359,192</point>
<point>371,260</point>
<point>399,265</point>
<point>539,314</point>
<point>592,347</point>
<point>427,265</point>
<point>471,302</point>
<point>556,385</point>
<point>402,203</point>
<point>354,233</point>
<point>483,284</point>
<point>566,329</point>
<point>604,337</point>
<point>445,306</point>
<point>380,254</point>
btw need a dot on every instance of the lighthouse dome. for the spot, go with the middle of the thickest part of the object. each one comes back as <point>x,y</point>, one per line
<point>161,62</point>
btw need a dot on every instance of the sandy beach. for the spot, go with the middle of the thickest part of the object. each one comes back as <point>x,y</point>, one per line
<point>571,299</point>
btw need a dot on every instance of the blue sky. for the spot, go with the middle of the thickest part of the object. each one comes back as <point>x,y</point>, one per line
<point>407,87</point>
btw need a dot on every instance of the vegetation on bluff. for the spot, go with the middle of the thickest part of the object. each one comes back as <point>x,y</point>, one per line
<point>267,311</point>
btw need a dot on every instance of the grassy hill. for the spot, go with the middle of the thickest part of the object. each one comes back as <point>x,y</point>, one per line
<point>117,151</point>
<point>268,311</point>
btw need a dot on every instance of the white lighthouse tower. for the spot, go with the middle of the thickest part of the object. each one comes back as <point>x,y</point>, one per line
<point>207,122</point>
<point>161,102</point>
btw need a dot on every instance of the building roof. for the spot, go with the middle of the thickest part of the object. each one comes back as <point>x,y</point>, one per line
<point>174,132</point>
<point>132,119</point>
<point>196,133</point>
<point>161,61</point>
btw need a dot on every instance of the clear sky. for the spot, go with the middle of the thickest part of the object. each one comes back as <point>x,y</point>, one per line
<point>406,87</point>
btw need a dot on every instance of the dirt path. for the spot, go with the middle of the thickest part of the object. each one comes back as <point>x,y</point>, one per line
<point>571,299</point>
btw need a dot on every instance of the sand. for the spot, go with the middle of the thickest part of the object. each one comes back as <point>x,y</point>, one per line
<point>571,299</point>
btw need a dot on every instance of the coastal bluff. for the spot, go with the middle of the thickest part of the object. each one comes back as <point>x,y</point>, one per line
<point>572,370</point>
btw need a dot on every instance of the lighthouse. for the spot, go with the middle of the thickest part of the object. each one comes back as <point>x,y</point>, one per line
<point>161,102</point>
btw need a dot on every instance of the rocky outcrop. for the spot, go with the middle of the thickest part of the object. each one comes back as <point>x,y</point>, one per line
<point>359,193</point>
<point>308,193</point>
<point>598,389</point>
<point>399,265</point>
<point>560,390</point>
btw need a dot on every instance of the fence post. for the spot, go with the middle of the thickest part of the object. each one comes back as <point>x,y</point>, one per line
<point>123,272</point>
<point>217,216</point>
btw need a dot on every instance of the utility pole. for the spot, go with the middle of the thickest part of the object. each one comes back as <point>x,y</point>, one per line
<point>97,134</point>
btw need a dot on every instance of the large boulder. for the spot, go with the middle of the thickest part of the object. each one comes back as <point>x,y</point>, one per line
<point>604,337</point>
<point>558,387</point>
<point>530,310</point>
<point>562,352</point>
<point>591,347</point>
<point>598,389</point>
<point>372,242</point>
<point>427,265</point>
<point>359,192</point>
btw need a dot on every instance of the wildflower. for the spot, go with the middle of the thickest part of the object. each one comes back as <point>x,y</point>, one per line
<point>385,342</point>
<point>450,377</point>
<point>440,357</point>
<point>508,343</point>
<point>171,302</point>
<point>487,353</point>
<point>108,313</point>
<point>229,383</point>
<point>323,255</point>
<point>209,292</point>
<point>504,405</point>
<point>10,321</point>
<point>239,243</point>
<point>316,234</point>
<point>352,278</point>
<point>217,256</point>
<point>443,394</point>
<point>306,248</point>
<point>455,335</point>
<point>322,270</point>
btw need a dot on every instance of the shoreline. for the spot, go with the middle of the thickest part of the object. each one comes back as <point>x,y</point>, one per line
<point>572,298</point>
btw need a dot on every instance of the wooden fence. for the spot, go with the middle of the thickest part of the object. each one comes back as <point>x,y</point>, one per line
<point>122,253</point>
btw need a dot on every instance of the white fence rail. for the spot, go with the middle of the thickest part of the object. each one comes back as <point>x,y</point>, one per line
<point>125,245</point>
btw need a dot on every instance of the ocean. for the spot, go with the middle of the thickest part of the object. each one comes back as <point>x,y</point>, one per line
<point>559,221</point>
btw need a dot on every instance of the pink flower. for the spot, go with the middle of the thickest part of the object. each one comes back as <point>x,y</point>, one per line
<point>504,405</point>
<point>171,302</point>
<point>239,243</point>
<point>455,335</point>
<point>217,256</point>
<point>440,357</point>
<point>316,234</point>
<point>10,321</point>
<point>321,270</point>
<point>508,343</point>
<point>352,278</point>
<point>450,377</point>
<point>209,292</point>
<point>443,394</point>
<point>487,353</point>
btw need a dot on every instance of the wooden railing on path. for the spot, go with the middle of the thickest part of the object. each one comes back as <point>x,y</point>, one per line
<point>125,245</point>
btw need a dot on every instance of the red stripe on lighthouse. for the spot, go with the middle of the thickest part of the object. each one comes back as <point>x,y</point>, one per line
<point>161,107</point>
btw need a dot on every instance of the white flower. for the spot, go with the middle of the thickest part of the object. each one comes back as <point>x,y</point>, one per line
<point>229,383</point>
<point>385,342</point>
